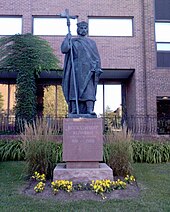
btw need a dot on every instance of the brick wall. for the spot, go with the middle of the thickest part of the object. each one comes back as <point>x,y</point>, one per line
<point>137,52</point>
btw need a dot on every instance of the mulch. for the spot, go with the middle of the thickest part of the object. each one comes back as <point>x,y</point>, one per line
<point>131,191</point>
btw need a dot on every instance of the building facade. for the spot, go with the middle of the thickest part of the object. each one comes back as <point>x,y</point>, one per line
<point>132,38</point>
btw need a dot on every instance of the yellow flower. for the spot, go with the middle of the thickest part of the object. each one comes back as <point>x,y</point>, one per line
<point>132,178</point>
<point>39,187</point>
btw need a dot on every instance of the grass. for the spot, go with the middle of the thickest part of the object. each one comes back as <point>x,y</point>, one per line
<point>153,180</point>
<point>119,152</point>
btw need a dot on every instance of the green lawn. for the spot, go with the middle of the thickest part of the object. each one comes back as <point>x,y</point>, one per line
<point>153,180</point>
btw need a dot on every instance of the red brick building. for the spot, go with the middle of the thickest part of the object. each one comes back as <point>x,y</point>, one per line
<point>132,38</point>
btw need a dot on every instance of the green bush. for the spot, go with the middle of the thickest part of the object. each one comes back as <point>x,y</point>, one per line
<point>11,150</point>
<point>41,156</point>
<point>147,152</point>
<point>40,153</point>
<point>118,152</point>
<point>14,150</point>
<point>28,55</point>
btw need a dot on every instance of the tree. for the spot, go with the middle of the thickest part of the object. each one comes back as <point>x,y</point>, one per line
<point>51,97</point>
<point>112,118</point>
<point>49,101</point>
<point>1,101</point>
<point>62,107</point>
<point>27,55</point>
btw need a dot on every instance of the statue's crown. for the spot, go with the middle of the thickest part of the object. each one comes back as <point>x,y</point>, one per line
<point>82,23</point>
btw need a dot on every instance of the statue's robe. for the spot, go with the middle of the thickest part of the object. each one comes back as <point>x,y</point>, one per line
<point>87,68</point>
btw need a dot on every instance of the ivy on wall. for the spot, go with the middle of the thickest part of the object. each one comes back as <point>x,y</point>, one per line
<point>27,55</point>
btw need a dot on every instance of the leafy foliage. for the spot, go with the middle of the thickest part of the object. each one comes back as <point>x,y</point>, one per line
<point>26,50</point>
<point>145,152</point>
<point>14,150</point>
<point>26,96</point>
<point>28,55</point>
<point>11,150</point>
<point>112,119</point>
<point>50,99</point>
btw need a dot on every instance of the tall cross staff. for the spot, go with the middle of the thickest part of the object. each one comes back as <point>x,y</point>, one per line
<point>67,16</point>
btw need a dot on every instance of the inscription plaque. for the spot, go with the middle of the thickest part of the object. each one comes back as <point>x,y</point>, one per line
<point>82,140</point>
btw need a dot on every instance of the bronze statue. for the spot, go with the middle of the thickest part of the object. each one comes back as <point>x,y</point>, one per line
<point>82,68</point>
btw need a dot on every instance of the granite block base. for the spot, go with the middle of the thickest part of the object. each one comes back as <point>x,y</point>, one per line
<point>84,175</point>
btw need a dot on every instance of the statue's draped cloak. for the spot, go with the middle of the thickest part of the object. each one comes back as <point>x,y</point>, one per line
<point>87,66</point>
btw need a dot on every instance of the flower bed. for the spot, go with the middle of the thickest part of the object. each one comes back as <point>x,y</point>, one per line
<point>98,187</point>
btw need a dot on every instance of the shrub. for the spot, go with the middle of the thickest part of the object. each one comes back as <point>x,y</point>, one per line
<point>118,152</point>
<point>28,55</point>
<point>11,150</point>
<point>41,154</point>
<point>151,152</point>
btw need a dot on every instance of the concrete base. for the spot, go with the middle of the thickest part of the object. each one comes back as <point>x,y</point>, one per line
<point>84,175</point>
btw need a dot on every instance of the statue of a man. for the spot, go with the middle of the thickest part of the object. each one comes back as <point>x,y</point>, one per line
<point>87,69</point>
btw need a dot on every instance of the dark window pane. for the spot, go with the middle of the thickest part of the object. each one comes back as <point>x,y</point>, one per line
<point>163,59</point>
<point>162,8</point>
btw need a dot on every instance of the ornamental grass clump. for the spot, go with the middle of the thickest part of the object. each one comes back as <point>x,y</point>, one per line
<point>40,153</point>
<point>118,152</point>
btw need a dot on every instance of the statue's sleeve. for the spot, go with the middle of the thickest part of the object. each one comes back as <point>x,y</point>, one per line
<point>97,55</point>
<point>65,46</point>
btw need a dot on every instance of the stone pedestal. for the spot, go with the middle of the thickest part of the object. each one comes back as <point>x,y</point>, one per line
<point>82,151</point>
<point>84,175</point>
<point>82,142</point>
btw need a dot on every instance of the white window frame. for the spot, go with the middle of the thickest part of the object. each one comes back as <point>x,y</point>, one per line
<point>53,26</point>
<point>10,25</point>
<point>116,26</point>
<point>162,35</point>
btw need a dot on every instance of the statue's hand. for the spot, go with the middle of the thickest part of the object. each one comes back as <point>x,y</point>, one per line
<point>98,72</point>
<point>65,46</point>
<point>68,36</point>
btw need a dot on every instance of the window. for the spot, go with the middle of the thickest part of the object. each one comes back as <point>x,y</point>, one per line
<point>162,8</point>
<point>108,96</point>
<point>10,25</point>
<point>162,31</point>
<point>53,26</point>
<point>7,100</point>
<point>110,27</point>
<point>163,114</point>
<point>108,105</point>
